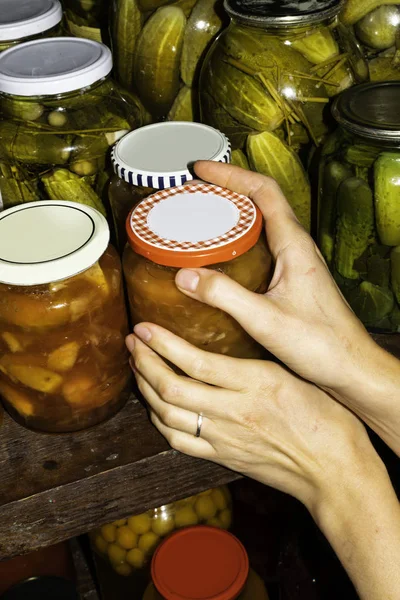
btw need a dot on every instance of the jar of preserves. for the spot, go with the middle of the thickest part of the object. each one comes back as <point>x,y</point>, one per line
<point>376,25</point>
<point>28,19</point>
<point>203,563</point>
<point>267,80</point>
<point>57,126</point>
<point>159,50</point>
<point>87,18</point>
<point>359,215</point>
<point>157,157</point>
<point>199,225</point>
<point>63,363</point>
<point>128,544</point>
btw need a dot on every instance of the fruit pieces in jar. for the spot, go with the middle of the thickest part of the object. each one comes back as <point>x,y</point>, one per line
<point>129,543</point>
<point>63,363</point>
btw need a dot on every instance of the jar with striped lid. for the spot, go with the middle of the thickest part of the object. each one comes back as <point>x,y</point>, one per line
<point>156,157</point>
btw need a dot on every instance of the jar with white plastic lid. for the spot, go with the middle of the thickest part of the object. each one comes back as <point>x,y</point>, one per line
<point>199,225</point>
<point>60,114</point>
<point>63,362</point>
<point>24,20</point>
<point>156,157</point>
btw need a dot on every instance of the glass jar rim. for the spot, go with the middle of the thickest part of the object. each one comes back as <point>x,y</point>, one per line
<point>269,19</point>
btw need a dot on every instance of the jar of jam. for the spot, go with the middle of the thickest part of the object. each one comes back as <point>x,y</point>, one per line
<point>63,363</point>
<point>128,544</point>
<point>199,225</point>
<point>28,20</point>
<point>156,157</point>
<point>203,563</point>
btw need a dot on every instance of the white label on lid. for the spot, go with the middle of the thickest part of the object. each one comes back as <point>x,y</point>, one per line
<point>193,217</point>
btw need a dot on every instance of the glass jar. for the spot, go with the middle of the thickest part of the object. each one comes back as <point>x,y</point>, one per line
<point>359,217</point>
<point>266,83</point>
<point>57,127</point>
<point>377,28</point>
<point>203,563</point>
<point>157,157</point>
<point>86,18</point>
<point>200,225</point>
<point>159,50</point>
<point>128,544</point>
<point>63,362</point>
<point>28,19</point>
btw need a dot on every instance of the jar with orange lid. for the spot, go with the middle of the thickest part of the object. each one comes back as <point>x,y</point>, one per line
<point>199,225</point>
<point>156,157</point>
<point>63,361</point>
<point>203,563</point>
<point>127,545</point>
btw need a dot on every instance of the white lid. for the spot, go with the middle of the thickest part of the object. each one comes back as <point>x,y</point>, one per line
<point>53,66</point>
<point>158,156</point>
<point>23,18</point>
<point>42,242</point>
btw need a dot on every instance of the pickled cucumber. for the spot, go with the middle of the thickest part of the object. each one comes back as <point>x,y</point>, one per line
<point>126,29</point>
<point>354,10</point>
<point>361,155</point>
<point>378,29</point>
<point>317,46</point>
<point>239,159</point>
<point>395,272</point>
<point>270,156</point>
<point>61,184</point>
<point>371,303</point>
<point>182,108</point>
<point>387,208</point>
<point>28,147</point>
<point>157,60</point>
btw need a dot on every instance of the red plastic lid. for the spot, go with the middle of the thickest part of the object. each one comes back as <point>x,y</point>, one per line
<point>200,563</point>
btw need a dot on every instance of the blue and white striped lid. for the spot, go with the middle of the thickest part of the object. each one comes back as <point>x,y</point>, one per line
<point>159,156</point>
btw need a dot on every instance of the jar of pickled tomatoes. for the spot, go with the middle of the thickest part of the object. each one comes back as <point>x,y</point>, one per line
<point>63,363</point>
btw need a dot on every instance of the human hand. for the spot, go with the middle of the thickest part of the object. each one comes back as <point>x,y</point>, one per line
<point>258,418</point>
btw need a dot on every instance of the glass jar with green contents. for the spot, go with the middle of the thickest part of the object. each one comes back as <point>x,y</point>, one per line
<point>359,210</point>
<point>60,114</point>
<point>156,157</point>
<point>87,18</point>
<point>376,25</point>
<point>267,80</point>
<point>28,19</point>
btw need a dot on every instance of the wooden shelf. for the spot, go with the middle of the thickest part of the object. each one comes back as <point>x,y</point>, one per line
<point>54,487</point>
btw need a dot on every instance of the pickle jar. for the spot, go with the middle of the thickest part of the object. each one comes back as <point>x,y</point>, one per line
<point>376,26</point>
<point>359,202</point>
<point>63,363</point>
<point>156,157</point>
<point>60,114</point>
<point>203,563</point>
<point>267,81</point>
<point>159,49</point>
<point>24,20</point>
<point>87,18</point>
<point>127,545</point>
<point>199,225</point>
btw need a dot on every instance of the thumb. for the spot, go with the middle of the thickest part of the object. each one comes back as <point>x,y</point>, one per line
<point>254,312</point>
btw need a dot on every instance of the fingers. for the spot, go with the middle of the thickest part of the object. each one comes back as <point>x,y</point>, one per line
<point>281,224</point>
<point>184,442</point>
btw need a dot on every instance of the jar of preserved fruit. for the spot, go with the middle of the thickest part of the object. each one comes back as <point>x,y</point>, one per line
<point>359,220</point>
<point>203,563</point>
<point>159,50</point>
<point>28,19</point>
<point>87,18</point>
<point>156,157</point>
<point>128,544</point>
<point>63,363</point>
<point>376,25</point>
<point>58,124</point>
<point>199,225</point>
<point>267,80</point>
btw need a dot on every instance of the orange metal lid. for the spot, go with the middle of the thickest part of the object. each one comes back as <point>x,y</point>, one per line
<point>200,563</point>
<point>193,226</point>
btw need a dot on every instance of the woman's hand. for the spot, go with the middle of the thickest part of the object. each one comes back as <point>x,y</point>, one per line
<point>258,418</point>
<point>303,319</point>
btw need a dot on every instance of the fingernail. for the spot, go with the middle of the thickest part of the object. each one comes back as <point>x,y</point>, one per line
<point>187,280</point>
<point>130,343</point>
<point>142,332</point>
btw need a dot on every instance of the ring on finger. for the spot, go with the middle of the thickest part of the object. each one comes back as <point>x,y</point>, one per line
<point>199,424</point>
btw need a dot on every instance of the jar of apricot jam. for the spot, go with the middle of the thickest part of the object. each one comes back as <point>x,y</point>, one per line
<point>63,363</point>
<point>198,225</point>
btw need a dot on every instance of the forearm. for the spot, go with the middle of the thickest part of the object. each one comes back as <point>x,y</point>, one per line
<point>361,520</point>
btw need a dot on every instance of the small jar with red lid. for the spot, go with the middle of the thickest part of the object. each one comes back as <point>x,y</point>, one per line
<point>203,563</point>
<point>199,225</point>
<point>156,157</point>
